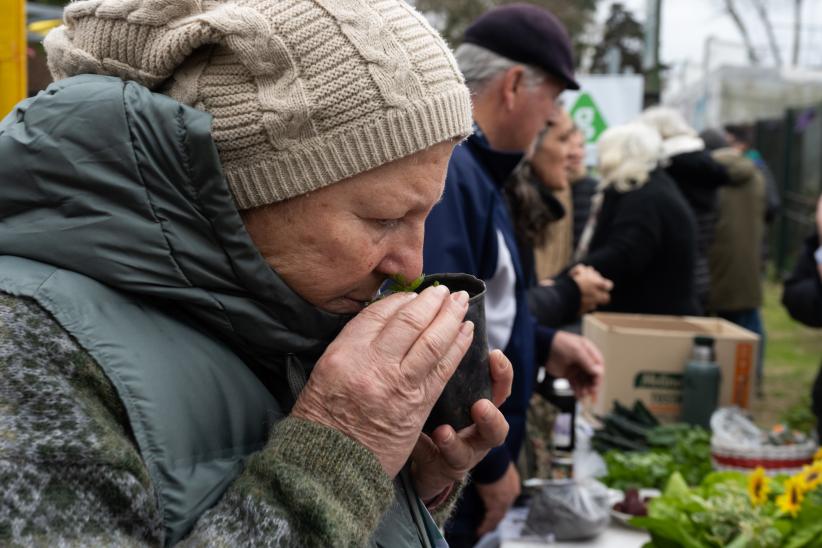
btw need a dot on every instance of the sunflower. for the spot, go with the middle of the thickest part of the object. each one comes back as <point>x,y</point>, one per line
<point>790,501</point>
<point>818,455</point>
<point>811,476</point>
<point>758,487</point>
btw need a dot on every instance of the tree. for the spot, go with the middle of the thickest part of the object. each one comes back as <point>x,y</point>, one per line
<point>452,17</point>
<point>621,45</point>
<point>766,22</point>
<point>730,7</point>
<point>797,31</point>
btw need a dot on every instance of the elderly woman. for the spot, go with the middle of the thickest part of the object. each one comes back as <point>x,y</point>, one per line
<point>542,227</point>
<point>642,235</point>
<point>191,217</point>
<point>698,177</point>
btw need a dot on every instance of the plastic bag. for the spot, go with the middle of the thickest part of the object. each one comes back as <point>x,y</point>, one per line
<point>569,510</point>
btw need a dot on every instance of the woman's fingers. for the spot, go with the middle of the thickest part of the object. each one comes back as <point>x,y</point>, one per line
<point>441,345</point>
<point>371,321</point>
<point>462,450</point>
<point>408,322</point>
<point>502,377</point>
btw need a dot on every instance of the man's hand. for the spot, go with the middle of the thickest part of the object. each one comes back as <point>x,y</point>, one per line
<point>575,358</point>
<point>594,290</point>
<point>498,497</point>
<point>447,456</point>
<point>379,379</point>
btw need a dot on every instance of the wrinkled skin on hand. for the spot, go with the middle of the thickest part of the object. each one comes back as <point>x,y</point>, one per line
<point>447,456</point>
<point>379,379</point>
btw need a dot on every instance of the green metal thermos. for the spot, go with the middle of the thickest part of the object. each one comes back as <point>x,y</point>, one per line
<point>700,384</point>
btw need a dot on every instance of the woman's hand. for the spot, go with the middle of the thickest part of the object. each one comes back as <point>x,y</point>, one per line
<point>379,379</point>
<point>594,289</point>
<point>447,456</point>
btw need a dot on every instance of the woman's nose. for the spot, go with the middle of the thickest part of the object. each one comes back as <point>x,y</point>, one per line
<point>405,256</point>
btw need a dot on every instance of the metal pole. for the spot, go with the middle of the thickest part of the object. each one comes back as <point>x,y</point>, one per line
<point>12,54</point>
<point>650,61</point>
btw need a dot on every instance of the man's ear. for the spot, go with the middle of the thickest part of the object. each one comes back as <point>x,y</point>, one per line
<point>512,83</point>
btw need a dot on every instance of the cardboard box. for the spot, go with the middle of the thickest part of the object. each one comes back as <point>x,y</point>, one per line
<point>646,355</point>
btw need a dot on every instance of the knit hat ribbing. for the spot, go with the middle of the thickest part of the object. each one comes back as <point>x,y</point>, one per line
<point>304,93</point>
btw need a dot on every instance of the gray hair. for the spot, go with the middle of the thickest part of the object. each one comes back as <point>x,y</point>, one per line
<point>480,66</point>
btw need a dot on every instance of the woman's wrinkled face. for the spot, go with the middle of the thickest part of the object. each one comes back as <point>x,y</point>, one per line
<point>550,158</point>
<point>336,246</point>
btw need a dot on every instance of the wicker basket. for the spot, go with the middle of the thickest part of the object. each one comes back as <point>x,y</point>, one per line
<point>775,459</point>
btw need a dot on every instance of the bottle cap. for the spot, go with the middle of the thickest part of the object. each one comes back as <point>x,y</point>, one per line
<point>562,387</point>
<point>704,340</point>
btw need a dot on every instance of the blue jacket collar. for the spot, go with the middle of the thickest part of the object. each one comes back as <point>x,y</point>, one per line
<point>499,164</point>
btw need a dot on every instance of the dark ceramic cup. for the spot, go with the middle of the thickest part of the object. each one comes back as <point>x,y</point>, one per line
<point>471,381</point>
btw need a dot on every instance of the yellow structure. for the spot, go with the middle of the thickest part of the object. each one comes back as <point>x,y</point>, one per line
<point>12,54</point>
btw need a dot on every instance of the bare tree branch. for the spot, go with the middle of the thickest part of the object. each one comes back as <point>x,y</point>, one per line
<point>730,6</point>
<point>762,11</point>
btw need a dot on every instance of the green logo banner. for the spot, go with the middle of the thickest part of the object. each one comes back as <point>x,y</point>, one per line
<point>588,117</point>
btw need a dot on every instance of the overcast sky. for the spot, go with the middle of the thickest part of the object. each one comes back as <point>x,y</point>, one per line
<point>686,24</point>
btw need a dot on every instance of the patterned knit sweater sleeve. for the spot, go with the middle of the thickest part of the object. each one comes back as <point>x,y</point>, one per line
<point>72,475</point>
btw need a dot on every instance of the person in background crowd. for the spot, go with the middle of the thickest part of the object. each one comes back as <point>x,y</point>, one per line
<point>185,349</point>
<point>583,186</point>
<point>735,255</point>
<point>698,177</point>
<point>549,164</point>
<point>531,193</point>
<point>740,136</point>
<point>802,297</point>
<point>643,234</point>
<point>516,60</point>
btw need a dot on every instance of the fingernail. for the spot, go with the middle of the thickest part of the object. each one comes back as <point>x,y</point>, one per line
<point>449,437</point>
<point>440,290</point>
<point>460,297</point>
<point>467,328</point>
<point>503,365</point>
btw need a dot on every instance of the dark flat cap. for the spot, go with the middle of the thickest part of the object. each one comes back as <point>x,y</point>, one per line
<point>528,34</point>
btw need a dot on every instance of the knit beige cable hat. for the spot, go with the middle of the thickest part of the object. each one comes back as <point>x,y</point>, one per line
<point>304,93</point>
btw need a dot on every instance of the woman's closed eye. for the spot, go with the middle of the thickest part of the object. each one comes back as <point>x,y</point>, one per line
<point>388,223</point>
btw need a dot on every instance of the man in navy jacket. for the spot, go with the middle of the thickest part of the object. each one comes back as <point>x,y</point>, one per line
<point>516,59</point>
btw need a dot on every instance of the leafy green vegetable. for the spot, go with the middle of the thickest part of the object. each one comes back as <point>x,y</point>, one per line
<point>720,513</point>
<point>400,284</point>
<point>678,448</point>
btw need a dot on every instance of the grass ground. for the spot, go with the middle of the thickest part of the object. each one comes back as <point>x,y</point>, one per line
<point>792,357</point>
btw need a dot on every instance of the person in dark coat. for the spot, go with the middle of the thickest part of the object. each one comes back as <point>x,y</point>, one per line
<point>802,297</point>
<point>644,235</point>
<point>741,137</point>
<point>698,176</point>
<point>583,185</point>
<point>736,253</point>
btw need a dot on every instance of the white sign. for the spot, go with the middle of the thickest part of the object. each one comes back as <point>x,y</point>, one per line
<point>604,101</point>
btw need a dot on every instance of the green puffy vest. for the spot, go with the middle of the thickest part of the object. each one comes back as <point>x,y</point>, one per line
<point>117,220</point>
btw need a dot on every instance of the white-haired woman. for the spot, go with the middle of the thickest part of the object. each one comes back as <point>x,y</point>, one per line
<point>698,176</point>
<point>642,235</point>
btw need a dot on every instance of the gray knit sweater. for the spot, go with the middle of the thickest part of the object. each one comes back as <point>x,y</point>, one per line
<point>72,475</point>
